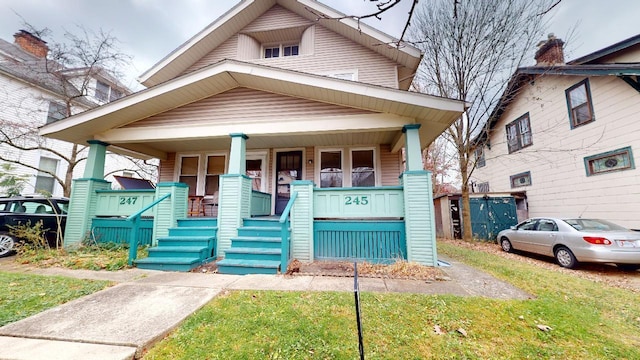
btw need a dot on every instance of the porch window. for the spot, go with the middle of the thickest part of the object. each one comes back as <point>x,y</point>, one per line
<point>215,168</point>
<point>254,171</point>
<point>362,168</point>
<point>579,104</point>
<point>189,173</point>
<point>331,169</point>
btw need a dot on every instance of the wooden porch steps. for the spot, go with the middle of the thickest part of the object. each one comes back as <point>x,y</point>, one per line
<point>256,249</point>
<point>187,246</point>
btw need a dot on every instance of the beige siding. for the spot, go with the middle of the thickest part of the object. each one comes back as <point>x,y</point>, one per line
<point>630,55</point>
<point>323,52</point>
<point>246,105</point>
<point>309,168</point>
<point>560,186</point>
<point>391,166</point>
<point>167,168</point>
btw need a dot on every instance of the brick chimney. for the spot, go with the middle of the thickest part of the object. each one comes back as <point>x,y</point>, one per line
<point>550,52</point>
<point>31,43</point>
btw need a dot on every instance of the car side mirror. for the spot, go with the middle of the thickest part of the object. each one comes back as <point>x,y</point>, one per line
<point>513,228</point>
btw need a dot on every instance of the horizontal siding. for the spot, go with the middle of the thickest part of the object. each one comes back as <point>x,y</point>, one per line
<point>560,186</point>
<point>246,105</point>
<point>391,166</point>
<point>325,52</point>
<point>167,168</point>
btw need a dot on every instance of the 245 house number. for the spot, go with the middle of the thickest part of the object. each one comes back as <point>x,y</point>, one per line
<point>356,200</point>
<point>128,200</point>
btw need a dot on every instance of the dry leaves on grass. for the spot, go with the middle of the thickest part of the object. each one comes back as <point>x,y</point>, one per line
<point>399,270</point>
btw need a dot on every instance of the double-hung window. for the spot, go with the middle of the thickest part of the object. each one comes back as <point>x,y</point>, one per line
<point>579,104</point>
<point>57,111</point>
<point>519,133</point>
<point>45,181</point>
<point>331,169</point>
<point>362,168</point>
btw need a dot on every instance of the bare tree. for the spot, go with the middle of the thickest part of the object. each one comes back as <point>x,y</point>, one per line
<point>471,47</point>
<point>68,72</point>
<point>441,162</point>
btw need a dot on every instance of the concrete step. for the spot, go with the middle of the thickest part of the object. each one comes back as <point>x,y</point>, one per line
<point>199,252</point>
<point>249,253</point>
<point>244,267</point>
<point>168,263</point>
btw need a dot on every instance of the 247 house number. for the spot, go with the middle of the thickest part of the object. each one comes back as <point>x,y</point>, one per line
<point>128,200</point>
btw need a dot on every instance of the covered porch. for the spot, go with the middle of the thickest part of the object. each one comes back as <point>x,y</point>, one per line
<point>321,155</point>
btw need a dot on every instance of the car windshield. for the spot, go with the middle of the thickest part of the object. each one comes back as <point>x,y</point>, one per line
<point>64,206</point>
<point>594,225</point>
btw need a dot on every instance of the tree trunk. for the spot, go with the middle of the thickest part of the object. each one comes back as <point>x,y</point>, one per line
<point>467,233</point>
<point>68,176</point>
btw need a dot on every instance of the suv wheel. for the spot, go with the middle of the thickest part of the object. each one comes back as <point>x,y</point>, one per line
<point>6,244</point>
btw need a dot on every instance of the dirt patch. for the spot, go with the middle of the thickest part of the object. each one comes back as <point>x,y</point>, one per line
<point>603,273</point>
<point>398,270</point>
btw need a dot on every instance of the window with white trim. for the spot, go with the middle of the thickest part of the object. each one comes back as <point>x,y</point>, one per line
<point>479,154</point>
<point>616,160</point>
<point>189,172</point>
<point>57,111</point>
<point>215,168</point>
<point>201,172</point>
<point>331,169</point>
<point>281,50</point>
<point>45,181</point>
<point>363,172</point>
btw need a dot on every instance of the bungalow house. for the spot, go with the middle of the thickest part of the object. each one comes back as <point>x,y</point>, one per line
<point>280,129</point>
<point>568,135</point>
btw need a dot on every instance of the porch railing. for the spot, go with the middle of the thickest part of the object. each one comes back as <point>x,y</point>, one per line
<point>360,203</point>
<point>284,233</point>
<point>135,219</point>
<point>122,202</point>
<point>260,203</point>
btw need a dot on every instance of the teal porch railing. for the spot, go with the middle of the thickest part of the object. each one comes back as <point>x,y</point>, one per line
<point>284,234</point>
<point>135,219</point>
<point>260,203</point>
<point>122,202</point>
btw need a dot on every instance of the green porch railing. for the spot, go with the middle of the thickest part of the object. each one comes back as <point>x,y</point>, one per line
<point>122,202</point>
<point>386,202</point>
<point>260,203</point>
<point>284,233</point>
<point>135,219</point>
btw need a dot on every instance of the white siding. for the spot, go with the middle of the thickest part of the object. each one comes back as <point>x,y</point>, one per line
<point>560,186</point>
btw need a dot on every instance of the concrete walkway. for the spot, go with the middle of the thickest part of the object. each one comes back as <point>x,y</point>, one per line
<point>122,321</point>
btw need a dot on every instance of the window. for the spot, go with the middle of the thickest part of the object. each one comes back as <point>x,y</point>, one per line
<point>547,225</point>
<point>616,160</point>
<point>479,153</point>
<point>115,94</point>
<point>483,187</point>
<point>215,168</point>
<point>579,104</point>
<point>331,169</point>
<point>102,91</point>
<point>44,180</point>
<point>362,168</point>
<point>57,111</point>
<point>281,50</point>
<point>528,224</point>
<point>520,180</point>
<point>189,173</point>
<point>519,133</point>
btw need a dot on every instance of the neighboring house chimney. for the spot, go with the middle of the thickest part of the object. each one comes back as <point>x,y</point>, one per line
<point>31,43</point>
<point>550,52</point>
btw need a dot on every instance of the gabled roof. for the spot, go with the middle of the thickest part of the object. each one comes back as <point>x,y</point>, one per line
<point>105,123</point>
<point>241,15</point>
<point>584,66</point>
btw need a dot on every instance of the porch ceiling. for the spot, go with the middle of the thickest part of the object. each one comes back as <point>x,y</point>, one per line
<point>391,109</point>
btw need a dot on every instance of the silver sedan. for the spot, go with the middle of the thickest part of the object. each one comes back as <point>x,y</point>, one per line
<point>575,240</point>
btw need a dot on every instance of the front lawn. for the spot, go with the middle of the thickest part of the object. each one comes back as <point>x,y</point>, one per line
<point>106,256</point>
<point>588,320</point>
<point>23,295</point>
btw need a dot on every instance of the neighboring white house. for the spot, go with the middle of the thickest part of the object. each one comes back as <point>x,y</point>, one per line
<point>32,96</point>
<point>569,135</point>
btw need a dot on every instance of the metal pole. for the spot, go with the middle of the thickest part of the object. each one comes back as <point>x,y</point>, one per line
<point>356,293</point>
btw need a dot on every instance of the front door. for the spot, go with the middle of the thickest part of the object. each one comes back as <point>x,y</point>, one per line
<point>288,168</point>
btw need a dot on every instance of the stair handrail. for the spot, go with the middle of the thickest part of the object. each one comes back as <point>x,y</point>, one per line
<point>135,226</point>
<point>284,233</point>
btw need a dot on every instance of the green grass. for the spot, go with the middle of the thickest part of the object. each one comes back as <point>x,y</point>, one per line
<point>588,321</point>
<point>107,256</point>
<point>23,295</point>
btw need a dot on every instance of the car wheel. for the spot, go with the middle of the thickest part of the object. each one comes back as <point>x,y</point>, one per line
<point>565,257</point>
<point>506,245</point>
<point>628,267</point>
<point>6,245</point>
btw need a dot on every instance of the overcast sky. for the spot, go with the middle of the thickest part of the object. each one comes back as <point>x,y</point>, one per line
<point>150,29</point>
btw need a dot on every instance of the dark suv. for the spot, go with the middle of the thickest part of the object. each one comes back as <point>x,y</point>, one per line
<point>22,209</point>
